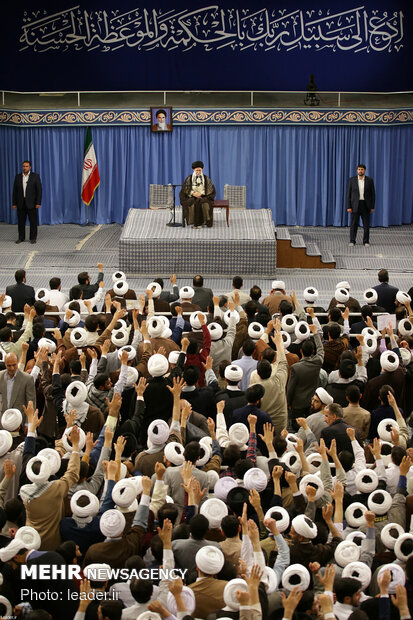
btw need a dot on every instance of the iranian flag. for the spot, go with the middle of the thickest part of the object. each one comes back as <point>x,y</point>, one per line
<point>90,173</point>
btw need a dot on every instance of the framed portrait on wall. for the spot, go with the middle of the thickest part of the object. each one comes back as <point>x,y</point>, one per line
<point>161,119</point>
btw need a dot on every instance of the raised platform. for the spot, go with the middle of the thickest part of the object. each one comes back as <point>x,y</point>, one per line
<point>248,246</point>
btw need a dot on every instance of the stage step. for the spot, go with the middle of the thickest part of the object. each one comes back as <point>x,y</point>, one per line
<point>294,252</point>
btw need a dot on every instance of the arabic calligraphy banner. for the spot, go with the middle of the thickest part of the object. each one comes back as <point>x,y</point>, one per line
<point>93,45</point>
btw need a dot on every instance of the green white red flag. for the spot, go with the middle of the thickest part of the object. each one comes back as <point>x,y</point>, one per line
<point>90,173</point>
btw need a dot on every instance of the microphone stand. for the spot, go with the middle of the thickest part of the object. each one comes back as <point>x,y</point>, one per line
<point>173,223</point>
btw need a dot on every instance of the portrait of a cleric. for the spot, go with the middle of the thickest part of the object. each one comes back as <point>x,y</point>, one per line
<point>196,197</point>
<point>161,119</point>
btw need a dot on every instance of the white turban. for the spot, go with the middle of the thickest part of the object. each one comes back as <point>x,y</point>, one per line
<point>228,315</point>
<point>53,457</point>
<point>174,452</point>
<point>26,538</point>
<point>403,298</point>
<point>346,552</point>
<point>194,320</point>
<point>403,547</point>
<point>310,294</point>
<point>5,601</point>
<point>214,510</point>
<point>173,357</point>
<point>120,288</point>
<point>186,292</point>
<point>6,442</point>
<point>398,576</point>
<point>223,486</point>
<point>132,376</point>
<point>286,339</point>
<point>385,427</point>
<point>44,472</point>
<point>149,615</point>
<point>118,275</point>
<point>405,327</point>
<point>124,493</point>
<point>343,284</point>
<point>314,481</point>
<point>256,479</point>
<point>366,481</point>
<point>288,323</point>
<point>278,285</point>
<point>280,515</point>
<point>269,579</point>
<point>97,571</point>
<point>206,453</point>
<point>370,296</point>
<point>48,343</point>
<point>215,330</point>
<point>296,575</point>
<point>42,294</point>
<point>356,537</point>
<point>314,462</point>
<point>130,350</point>
<point>342,295</point>
<point>76,393</point>
<point>74,319</point>
<point>230,590</point>
<point>390,533</point>
<point>355,514</point>
<point>155,327</point>
<point>65,439</point>
<point>238,434</point>
<point>292,460</point>
<point>291,440</point>
<point>255,330</point>
<point>112,523</point>
<point>78,337</point>
<point>188,598</point>
<point>90,510</point>
<point>157,365</point>
<point>302,330</point>
<point>304,526</point>
<point>209,560</point>
<point>233,373</point>
<point>358,570</point>
<point>7,302</point>
<point>120,337</point>
<point>379,502</point>
<point>386,448</point>
<point>156,289</point>
<point>158,432</point>
<point>369,331</point>
<point>324,396</point>
<point>389,361</point>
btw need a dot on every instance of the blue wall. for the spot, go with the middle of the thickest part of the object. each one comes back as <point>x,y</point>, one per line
<point>132,45</point>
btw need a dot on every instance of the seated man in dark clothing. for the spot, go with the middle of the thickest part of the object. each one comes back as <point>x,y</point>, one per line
<point>196,196</point>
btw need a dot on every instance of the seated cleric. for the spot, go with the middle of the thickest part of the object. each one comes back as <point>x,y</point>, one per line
<point>196,196</point>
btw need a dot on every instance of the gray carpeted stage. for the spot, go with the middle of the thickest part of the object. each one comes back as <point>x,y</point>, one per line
<point>247,246</point>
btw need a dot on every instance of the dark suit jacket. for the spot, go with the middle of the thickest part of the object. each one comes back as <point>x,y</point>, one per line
<point>170,297</point>
<point>20,294</point>
<point>386,296</point>
<point>203,298</point>
<point>353,193</point>
<point>33,191</point>
<point>91,289</point>
<point>338,431</point>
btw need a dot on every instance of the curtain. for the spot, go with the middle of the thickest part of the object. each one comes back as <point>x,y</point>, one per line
<point>299,172</point>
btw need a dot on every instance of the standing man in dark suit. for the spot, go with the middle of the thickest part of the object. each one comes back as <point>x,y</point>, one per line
<point>203,295</point>
<point>361,197</point>
<point>27,198</point>
<point>386,293</point>
<point>20,293</point>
